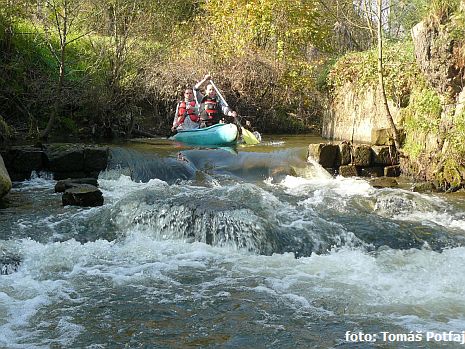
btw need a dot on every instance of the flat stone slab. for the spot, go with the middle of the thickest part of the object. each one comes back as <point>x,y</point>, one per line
<point>63,160</point>
<point>61,186</point>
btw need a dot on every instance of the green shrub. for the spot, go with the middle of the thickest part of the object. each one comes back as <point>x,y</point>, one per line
<point>5,129</point>
<point>423,112</point>
<point>361,69</point>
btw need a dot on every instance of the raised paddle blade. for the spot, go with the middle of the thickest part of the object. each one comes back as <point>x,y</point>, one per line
<point>249,137</point>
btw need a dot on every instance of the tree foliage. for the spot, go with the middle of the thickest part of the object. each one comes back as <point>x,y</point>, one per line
<point>280,27</point>
<point>117,57</point>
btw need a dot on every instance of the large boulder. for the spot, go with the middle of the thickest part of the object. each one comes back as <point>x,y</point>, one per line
<point>354,113</point>
<point>363,155</point>
<point>96,158</point>
<point>392,171</point>
<point>22,160</point>
<point>5,180</point>
<point>83,195</point>
<point>385,155</point>
<point>65,158</point>
<point>324,154</point>
<point>344,155</point>
<point>348,171</point>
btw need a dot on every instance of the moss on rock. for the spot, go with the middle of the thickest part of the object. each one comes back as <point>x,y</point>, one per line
<point>5,181</point>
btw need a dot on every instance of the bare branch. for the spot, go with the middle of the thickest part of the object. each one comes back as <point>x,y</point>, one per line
<point>80,36</point>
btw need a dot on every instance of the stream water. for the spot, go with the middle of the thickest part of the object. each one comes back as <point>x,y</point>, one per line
<point>253,247</point>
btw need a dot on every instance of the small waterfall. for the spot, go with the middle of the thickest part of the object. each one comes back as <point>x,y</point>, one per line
<point>198,214</point>
<point>217,227</point>
<point>142,167</point>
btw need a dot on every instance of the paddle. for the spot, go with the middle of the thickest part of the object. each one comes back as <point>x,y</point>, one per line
<point>247,136</point>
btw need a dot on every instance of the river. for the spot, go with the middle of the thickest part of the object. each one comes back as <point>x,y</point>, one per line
<point>254,247</point>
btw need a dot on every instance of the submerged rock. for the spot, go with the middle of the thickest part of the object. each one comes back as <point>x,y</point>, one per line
<point>384,182</point>
<point>9,264</point>
<point>424,187</point>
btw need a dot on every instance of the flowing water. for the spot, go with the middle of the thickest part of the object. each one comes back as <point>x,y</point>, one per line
<point>254,247</point>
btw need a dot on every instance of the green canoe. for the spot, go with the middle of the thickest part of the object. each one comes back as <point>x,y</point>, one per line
<point>216,135</point>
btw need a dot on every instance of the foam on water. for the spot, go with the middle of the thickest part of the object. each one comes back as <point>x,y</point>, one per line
<point>42,304</point>
<point>415,285</point>
<point>121,185</point>
<point>417,289</point>
<point>339,186</point>
<point>40,179</point>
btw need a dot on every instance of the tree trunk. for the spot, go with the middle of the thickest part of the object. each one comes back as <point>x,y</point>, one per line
<point>56,109</point>
<point>63,43</point>
<point>390,120</point>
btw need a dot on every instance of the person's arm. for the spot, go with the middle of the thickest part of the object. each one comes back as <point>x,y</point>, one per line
<point>175,120</point>
<point>198,96</point>
<point>205,78</point>
<point>227,111</point>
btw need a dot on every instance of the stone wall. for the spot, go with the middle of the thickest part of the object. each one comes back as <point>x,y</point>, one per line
<point>63,160</point>
<point>353,116</point>
<point>356,160</point>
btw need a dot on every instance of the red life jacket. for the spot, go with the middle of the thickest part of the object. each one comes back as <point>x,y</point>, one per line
<point>182,111</point>
<point>209,108</point>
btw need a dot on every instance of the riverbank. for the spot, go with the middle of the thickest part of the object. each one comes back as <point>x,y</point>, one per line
<point>425,91</point>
